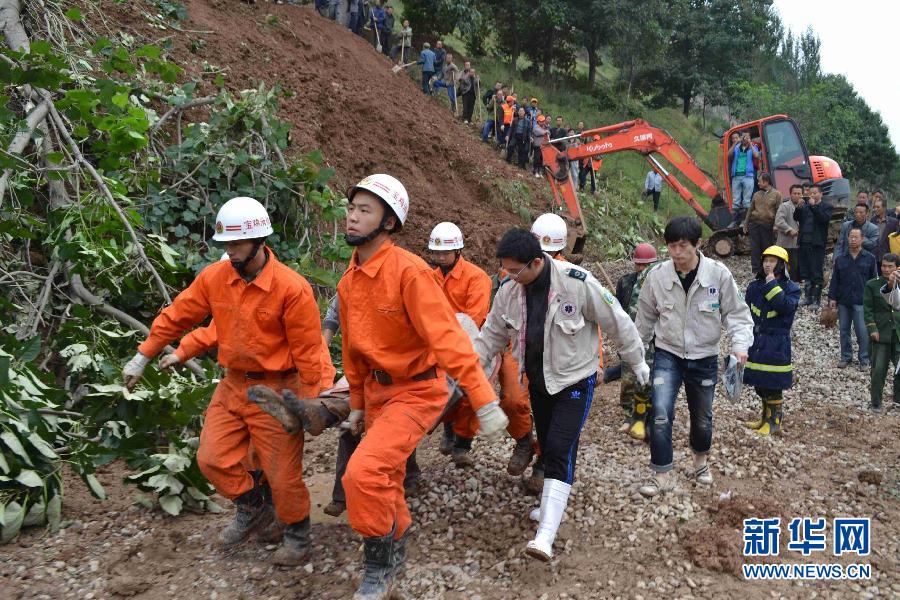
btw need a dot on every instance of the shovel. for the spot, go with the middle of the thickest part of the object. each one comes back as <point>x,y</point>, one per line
<point>377,39</point>
<point>398,68</point>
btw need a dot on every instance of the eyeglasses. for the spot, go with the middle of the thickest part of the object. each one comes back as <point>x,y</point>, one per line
<point>519,272</point>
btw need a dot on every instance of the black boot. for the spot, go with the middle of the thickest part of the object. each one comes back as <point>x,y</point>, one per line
<point>447,439</point>
<point>816,296</point>
<point>295,546</point>
<point>522,455</point>
<point>807,294</point>
<point>378,564</point>
<point>400,545</point>
<point>252,514</point>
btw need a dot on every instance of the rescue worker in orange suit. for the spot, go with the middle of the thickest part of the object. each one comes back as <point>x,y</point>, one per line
<point>399,336</point>
<point>468,289</point>
<point>267,324</point>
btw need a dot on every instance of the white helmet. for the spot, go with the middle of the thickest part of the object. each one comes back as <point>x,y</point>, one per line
<point>445,236</point>
<point>242,218</point>
<point>551,231</point>
<point>388,189</point>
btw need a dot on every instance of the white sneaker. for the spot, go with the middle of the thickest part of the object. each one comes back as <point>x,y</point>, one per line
<point>657,485</point>
<point>553,501</point>
<point>704,475</point>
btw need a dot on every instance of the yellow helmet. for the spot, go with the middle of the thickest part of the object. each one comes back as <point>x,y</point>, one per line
<point>777,252</point>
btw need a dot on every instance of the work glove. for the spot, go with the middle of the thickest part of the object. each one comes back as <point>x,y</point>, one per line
<point>357,420</point>
<point>168,361</point>
<point>491,418</point>
<point>642,374</point>
<point>133,370</point>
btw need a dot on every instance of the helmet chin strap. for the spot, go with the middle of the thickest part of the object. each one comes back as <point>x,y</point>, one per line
<point>359,240</point>
<point>446,270</point>
<point>241,265</point>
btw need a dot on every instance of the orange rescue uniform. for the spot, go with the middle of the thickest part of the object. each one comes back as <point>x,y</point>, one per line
<point>268,333</point>
<point>397,326</point>
<point>468,288</point>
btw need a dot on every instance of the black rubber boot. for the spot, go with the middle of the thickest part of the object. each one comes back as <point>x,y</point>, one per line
<point>522,455</point>
<point>400,546</point>
<point>462,453</point>
<point>535,484</point>
<point>252,515</point>
<point>378,565</point>
<point>807,294</point>
<point>447,439</point>
<point>295,546</point>
<point>816,296</point>
<point>311,413</point>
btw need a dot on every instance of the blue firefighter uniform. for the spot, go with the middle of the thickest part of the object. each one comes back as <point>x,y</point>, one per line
<point>768,369</point>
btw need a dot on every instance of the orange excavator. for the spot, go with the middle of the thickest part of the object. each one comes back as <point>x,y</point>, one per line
<point>782,153</point>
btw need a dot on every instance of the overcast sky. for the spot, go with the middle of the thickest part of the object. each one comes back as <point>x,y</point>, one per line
<point>859,40</point>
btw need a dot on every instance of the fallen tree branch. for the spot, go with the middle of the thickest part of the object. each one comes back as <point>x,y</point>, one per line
<point>175,109</point>
<point>265,123</point>
<point>21,139</point>
<point>79,157</point>
<point>44,298</point>
<point>77,287</point>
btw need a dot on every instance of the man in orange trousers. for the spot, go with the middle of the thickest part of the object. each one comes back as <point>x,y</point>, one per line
<point>399,338</point>
<point>267,326</point>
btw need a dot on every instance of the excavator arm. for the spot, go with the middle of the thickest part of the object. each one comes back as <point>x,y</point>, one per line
<point>636,136</point>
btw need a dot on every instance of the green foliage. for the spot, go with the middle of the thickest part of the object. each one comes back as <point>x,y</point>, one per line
<point>617,220</point>
<point>62,404</point>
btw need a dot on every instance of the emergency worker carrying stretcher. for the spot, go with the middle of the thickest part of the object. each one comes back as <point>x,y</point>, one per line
<point>267,331</point>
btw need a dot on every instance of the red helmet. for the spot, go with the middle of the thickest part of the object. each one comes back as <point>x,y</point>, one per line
<point>644,254</point>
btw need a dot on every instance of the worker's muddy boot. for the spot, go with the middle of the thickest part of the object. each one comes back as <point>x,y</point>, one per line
<point>447,440</point>
<point>773,416</point>
<point>816,297</point>
<point>535,484</point>
<point>522,455</point>
<point>807,295</point>
<point>758,422</point>
<point>313,415</point>
<point>252,515</point>
<point>274,531</point>
<point>462,458</point>
<point>378,565</point>
<point>335,508</point>
<point>272,403</point>
<point>295,545</point>
<point>400,546</point>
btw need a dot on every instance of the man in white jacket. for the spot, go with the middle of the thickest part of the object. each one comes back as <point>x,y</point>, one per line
<point>551,311</point>
<point>682,307</point>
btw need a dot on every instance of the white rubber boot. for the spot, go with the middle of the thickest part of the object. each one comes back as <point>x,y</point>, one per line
<point>554,499</point>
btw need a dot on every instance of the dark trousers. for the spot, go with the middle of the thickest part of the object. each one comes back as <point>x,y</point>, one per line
<point>812,263</point>
<point>385,41</point>
<point>558,419</point>
<point>520,147</point>
<point>655,195</point>
<point>794,263</point>
<point>699,379</point>
<point>761,237</point>
<point>883,355</point>
<point>426,76</point>
<point>468,103</point>
<point>347,443</point>
<point>583,172</point>
<point>537,159</point>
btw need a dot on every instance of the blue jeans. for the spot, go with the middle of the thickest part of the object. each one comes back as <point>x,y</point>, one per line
<point>487,131</point>
<point>451,92</point>
<point>742,190</point>
<point>852,314</point>
<point>699,378</point>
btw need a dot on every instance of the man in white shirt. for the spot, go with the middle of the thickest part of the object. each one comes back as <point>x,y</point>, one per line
<point>653,185</point>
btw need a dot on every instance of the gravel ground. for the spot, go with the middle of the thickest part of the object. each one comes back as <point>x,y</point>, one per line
<point>836,458</point>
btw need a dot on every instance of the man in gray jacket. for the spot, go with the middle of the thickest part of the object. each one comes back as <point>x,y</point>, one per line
<point>860,221</point>
<point>682,307</point>
<point>787,230</point>
<point>552,312</point>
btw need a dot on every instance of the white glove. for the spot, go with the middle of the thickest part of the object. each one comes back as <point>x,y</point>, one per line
<point>642,374</point>
<point>357,420</point>
<point>133,370</point>
<point>168,361</point>
<point>491,419</point>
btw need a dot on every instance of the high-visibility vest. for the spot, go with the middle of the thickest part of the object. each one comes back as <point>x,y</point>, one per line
<point>507,113</point>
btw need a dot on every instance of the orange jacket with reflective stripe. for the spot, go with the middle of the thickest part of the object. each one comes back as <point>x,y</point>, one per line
<point>395,318</point>
<point>204,339</point>
<point>468,289</point>
<point>269,324</point>
<point>507,113</point>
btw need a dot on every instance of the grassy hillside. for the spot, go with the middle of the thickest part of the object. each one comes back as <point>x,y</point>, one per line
<point>618,217</point>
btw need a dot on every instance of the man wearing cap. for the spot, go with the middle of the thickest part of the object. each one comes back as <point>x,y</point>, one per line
<point>538,134</point>
<point>468,289</point>
<point>399,337</point>
<point>267,327</point>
